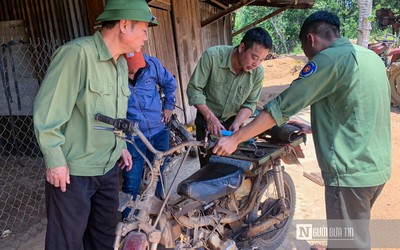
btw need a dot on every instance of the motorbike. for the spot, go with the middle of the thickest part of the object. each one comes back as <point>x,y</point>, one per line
<point>245,199</point>
<point>387,48</point>
<point>179,134</point>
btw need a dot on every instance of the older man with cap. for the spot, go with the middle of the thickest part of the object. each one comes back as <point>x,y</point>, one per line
<point>87,76</point>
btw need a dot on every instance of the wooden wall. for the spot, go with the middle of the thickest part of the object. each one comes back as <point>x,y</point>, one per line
<point>62,19</point>
<point>161,44</point>
<point>217,33</point>
<point>178,41</point>
<point>189,43</point>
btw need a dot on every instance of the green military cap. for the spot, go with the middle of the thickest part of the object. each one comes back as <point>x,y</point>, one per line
<point>136,10</point>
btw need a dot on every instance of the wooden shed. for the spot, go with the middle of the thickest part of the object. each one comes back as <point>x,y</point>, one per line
<point>186,27</point>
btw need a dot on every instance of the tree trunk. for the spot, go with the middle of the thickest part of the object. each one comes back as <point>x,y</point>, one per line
<point>274,22</point>
<point>364,24</point>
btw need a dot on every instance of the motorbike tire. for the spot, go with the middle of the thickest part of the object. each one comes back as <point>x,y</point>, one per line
<point>279,232</point>
<point>394,79</point>
<point>183,134</point>
<point>135,241</point>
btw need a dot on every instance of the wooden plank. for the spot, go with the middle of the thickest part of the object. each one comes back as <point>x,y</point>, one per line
<point>216,33</point>
<point>226,12</point>
<point>161,4</point>
<point>315,177</point>
<point>276,12</point>
<point>43,19</point>
<point>31,20</point>
<point>14,29</point>
<point>294,4</point>
<point>189,44</point>
<point>94,9</point>
<point>161,45</point>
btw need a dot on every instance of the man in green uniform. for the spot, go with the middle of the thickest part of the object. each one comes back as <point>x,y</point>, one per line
<point>87,76</point>
<point>226,84</point>
<point>349,94</point>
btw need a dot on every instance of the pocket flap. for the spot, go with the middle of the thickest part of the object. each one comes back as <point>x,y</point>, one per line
<point>100,88</point>
<point>126,91</point>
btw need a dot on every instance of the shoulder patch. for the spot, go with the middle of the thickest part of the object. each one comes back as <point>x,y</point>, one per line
<point>308,70</point>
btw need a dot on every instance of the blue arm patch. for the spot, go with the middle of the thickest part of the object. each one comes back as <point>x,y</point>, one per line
<point>308,70</point>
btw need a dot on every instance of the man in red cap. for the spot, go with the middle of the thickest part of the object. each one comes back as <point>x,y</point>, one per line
<point>146,76</point>
<point>87,76</point>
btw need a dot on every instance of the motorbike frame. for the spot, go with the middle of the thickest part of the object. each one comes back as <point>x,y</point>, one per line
<point>148,211</point>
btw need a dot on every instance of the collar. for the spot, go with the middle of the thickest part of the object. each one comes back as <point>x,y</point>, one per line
<point>340,41</point>
<point>102,49</point>
<point>227,62</point>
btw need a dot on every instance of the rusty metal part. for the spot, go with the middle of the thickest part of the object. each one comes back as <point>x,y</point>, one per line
<point>394,79</point>
<point>258,229</point>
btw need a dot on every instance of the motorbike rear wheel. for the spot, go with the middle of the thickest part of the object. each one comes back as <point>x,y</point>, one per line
<point>273,237</point>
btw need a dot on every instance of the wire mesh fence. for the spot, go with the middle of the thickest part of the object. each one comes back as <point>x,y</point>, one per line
<point>22,205</point>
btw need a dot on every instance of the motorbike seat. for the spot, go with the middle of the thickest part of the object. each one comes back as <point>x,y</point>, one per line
<point>211,182</point>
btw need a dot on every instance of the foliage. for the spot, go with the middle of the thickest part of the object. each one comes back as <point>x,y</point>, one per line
<point>284,28</point>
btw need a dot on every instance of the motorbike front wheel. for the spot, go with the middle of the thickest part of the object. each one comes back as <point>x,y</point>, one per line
<point>273,237</point>
<point>135,241</point>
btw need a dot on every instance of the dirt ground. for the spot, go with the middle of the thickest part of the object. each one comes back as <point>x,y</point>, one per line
<point>310,196</point>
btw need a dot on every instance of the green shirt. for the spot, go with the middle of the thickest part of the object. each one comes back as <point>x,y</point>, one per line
<point>82,80</point>
<point>215,83</point>
<point>349,93</point>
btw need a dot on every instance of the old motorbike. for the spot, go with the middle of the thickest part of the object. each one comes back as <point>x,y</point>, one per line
<point>387,48</point>
<point>244,199</point>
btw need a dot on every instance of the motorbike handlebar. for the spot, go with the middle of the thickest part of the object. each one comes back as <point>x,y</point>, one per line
<point>119,124</point>
<point>129,128</point>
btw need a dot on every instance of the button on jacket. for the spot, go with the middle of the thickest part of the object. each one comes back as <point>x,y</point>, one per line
<point>82,80</point>
<point>347,88</point>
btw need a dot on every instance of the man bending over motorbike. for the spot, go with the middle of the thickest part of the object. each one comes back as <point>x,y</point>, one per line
<point>349,94</point>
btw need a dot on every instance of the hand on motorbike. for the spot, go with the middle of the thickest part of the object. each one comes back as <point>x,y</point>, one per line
<point>305,128</point>
<point>225,145</point>
<point>125,161</point>
<point>166,116</point>
<point>234,127</point>
<point>214,126</point>
<point>58,177</point>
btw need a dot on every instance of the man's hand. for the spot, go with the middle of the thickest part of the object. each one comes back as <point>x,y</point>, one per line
<point>226,145</point>
<point>166,116</point>
<point>58,177</point>
<point>234,127</point>
<point>305,128</point>
<point>214,126</point>
<point>125,161</point>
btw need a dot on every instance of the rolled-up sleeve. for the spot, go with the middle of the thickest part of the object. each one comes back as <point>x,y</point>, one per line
<point>199,80</point>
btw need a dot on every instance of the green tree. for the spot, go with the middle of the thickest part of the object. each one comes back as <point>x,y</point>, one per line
<point>284,28</point>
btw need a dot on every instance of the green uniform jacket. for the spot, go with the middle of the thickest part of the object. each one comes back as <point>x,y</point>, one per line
<point>349,93</point>
<point>215,83</point>
<point>82,80</point>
